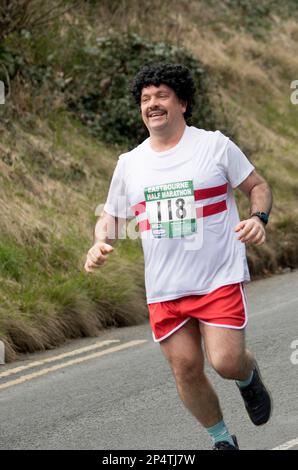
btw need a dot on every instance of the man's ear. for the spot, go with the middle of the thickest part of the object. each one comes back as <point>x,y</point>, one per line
<point>184,104</point>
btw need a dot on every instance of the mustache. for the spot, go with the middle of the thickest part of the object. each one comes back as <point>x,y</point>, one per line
<point>151,110</point>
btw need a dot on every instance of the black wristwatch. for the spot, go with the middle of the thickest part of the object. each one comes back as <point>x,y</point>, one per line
<point>262,216</point>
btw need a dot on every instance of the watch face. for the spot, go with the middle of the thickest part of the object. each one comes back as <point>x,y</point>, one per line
<point>264,217</point>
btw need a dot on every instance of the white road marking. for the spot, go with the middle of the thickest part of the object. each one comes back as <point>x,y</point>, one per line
<point>79,360</point>
<point>74,352</point>
<point>287,445</point>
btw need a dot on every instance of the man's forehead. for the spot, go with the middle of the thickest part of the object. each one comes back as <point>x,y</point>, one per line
<point>155,89</point>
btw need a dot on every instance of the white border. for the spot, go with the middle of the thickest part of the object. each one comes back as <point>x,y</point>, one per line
<point>229,326</point>
<point>171,332</point>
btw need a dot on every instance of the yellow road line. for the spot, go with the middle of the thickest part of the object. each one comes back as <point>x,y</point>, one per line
<point>74,352</point>
<point>79,360</point>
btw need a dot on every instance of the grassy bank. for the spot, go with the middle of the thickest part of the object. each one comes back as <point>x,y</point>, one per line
<point>52,179</point>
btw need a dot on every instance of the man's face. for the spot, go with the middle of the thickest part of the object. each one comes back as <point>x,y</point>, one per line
<point>160,107</point>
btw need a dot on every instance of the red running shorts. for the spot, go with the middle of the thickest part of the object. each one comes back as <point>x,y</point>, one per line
<point>224,307</point>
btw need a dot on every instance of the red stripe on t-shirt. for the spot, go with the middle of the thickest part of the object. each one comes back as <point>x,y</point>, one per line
<point>139,208</point>
<point>211,209</point>
<point>144,225</point>
<point>199,194</point>
<point>210,192</point>
<point>204,211</point>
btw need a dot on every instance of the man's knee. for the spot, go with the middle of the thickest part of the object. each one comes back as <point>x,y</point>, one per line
<point>187,369</point>
<point>183,350</point>
<point>227,365</point>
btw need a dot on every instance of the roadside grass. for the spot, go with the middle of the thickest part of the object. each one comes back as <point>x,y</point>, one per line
<point>46,231</point>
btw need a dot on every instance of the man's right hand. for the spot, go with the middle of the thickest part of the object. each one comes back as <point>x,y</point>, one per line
<point>96,256</point>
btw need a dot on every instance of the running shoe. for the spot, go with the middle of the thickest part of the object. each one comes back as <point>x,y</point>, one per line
<point>225,445</point>
<point>257,400</point>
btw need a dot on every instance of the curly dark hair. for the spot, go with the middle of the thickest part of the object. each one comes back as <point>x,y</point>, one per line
<point>175,76</point>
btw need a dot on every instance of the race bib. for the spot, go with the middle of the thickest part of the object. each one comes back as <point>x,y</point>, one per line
<point>171,209</point>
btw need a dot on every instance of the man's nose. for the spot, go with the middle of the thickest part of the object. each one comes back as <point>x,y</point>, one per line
<point>154,102</point>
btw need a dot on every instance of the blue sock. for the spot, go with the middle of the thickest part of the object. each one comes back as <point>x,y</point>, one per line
<point>220,432</point>
<point>245,383</point>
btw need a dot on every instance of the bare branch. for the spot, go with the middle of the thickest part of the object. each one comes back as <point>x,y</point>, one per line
<point>16,15</point>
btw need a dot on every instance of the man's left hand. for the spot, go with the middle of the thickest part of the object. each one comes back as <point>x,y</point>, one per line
<point>251,231</point>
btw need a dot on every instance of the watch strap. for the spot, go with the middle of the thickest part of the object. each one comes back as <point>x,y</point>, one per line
<point>262,216</point>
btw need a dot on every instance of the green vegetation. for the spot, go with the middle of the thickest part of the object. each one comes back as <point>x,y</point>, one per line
<point>69,115</point>
<point>100,91</point>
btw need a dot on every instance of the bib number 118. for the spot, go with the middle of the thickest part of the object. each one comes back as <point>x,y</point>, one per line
<point>180,211</point>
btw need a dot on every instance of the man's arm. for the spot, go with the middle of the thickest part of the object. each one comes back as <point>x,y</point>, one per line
<point>258,192</point>
<point>107,230</point>
<point>252,230</point>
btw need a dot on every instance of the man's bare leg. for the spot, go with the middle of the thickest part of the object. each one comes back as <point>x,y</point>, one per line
<point>226,352</point>
<point>183,350</point>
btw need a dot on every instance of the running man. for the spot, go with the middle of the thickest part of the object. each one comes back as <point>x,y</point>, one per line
<point>179,185</point>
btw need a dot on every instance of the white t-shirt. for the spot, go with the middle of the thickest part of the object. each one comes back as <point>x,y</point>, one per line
<point>185,211</point>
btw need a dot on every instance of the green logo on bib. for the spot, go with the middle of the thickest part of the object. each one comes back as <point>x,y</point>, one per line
<point>171,209</point>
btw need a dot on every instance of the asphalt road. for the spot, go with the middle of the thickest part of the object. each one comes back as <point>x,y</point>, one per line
<point>121,394</point>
